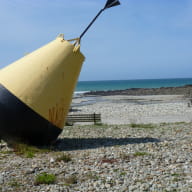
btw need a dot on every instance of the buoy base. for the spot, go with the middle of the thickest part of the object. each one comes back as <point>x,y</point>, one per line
<point>20,123</point>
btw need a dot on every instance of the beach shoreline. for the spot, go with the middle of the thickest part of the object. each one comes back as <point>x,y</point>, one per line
<point>153,105</point>
<point>180,90</point>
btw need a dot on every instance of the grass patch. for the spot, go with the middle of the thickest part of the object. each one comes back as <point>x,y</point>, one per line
<point>180,123</point>
<point>176,174</point>
<point>128,157</point>
<point>175,123</point>
<point>14,183</point>
<point>27,150</point>
<point>123,173</point>
<point>6,152</point>
<point>29,154</point>
<point>146,126</point>
<point>172,190</point>
<point>115,170</point>
<point>64,157</point>
<point>45,178</point>
<point>136,154</point>
<point>98,125</point>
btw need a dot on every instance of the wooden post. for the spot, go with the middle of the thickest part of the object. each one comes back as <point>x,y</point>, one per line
<point>94,115</point>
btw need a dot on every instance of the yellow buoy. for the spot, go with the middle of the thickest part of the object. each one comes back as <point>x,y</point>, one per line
<point>36,92</point>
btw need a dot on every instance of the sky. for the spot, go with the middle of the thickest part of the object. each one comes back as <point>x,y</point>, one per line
<point>140,39</point>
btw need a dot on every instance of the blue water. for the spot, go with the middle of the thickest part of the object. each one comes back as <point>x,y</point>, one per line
<point>127,84</point>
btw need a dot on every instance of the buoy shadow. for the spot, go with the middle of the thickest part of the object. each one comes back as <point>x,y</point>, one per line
<point>68,144</point>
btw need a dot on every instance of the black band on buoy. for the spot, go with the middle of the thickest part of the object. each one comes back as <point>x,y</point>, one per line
<point>21,123</point>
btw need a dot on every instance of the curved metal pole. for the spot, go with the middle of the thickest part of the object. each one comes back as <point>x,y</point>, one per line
<point>110,3</point>
<point>91,24</point>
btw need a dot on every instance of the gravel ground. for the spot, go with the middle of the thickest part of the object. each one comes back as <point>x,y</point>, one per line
<point>156,157</point>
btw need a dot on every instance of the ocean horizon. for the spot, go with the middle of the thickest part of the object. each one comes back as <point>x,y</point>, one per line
<point>106,85</point>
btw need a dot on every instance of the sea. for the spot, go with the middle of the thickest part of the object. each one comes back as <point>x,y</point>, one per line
<point>86,86</point>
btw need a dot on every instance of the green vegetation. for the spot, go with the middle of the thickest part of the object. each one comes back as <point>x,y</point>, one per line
<point>29,154</point>
<point>27,150</point>
<point>176,174</point>
<point>98,124</point>
<point>146,126</point>
<point>136,154</point>
<point>130,156</point>
<point>180,123</point>
<point>123,173</point>
<point>64,157</point>
<point>115,170</point>
<point>45,178</point>
<point>6,152</point>
<point>175,123</point>
<point>173,190</point>
<point>14,183</point>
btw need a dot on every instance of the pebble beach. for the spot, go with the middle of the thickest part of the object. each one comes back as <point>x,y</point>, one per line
<point>122,109</point>
<point>143,143</point>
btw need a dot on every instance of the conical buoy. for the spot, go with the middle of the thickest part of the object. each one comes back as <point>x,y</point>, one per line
<point>36,92</point>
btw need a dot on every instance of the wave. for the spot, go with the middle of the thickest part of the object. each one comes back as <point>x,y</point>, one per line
<point>77,94</point>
